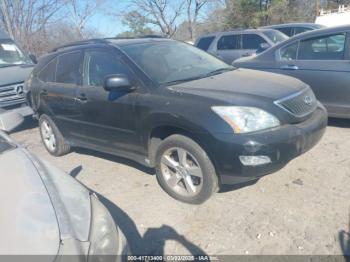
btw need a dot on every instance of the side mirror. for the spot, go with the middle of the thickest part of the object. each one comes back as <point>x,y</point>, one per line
<point>33,58</point>
<point>118,82</point>
<point>263,47</point>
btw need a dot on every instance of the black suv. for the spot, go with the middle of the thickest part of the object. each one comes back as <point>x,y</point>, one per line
<point>200,122</point>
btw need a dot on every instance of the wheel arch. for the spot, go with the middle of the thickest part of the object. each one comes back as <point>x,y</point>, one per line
<point>161,132</point>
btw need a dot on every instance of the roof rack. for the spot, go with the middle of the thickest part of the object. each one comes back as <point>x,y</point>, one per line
<point>103,41</point>
<point>82,42</point>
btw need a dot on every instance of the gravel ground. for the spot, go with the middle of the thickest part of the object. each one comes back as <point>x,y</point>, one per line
<point>302,209</point>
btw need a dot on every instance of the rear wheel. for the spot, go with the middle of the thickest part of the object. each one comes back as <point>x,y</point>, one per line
<point>185,171</point>
<point>52,137</point>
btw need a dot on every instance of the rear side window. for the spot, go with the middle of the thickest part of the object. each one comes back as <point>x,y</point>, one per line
<point>69,68</point>
<point>286,30</point>
<point>205,42</point>
<point>299,30</point>
<point>252,41</point>
<point>229,42</point>
<point>48,73</point>
<point>323,48</point>
<point>101,64</point>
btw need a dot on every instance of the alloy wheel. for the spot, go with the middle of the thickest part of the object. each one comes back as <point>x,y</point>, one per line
<point>48,136</point>
<point>181,172</point>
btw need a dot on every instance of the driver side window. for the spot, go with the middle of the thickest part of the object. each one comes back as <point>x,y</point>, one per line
<point>101,64</point>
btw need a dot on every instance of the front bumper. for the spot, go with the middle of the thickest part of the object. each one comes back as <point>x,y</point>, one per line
<point>281,145</point>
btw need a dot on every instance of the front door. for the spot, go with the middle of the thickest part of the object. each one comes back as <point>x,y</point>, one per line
<point>323,63</point>
<point>250,44</point>
<point>108,118</point>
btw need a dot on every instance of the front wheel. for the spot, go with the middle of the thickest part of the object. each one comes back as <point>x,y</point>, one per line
<point>185,171</point>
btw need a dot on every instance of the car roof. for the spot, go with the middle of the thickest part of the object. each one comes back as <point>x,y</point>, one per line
<point>256,30</point>
<point>310,25</point>
<point>111,41</point>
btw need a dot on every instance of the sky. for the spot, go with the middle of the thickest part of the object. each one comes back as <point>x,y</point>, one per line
<point>106,22</point>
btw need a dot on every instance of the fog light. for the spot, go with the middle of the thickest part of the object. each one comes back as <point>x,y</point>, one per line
<point>255,160</point>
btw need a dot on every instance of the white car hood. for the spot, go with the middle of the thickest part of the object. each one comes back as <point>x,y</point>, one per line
<point>28,222</point>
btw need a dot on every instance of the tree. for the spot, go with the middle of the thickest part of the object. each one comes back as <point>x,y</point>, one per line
<point>193,8</point>
<point>137,24</point>
<point>23,19</point>
<point>81,11</point>
<point>161,13</point>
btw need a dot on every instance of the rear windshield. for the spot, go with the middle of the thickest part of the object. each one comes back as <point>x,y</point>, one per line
<point>276,36</point>
<point>5,145</point>
<point>205,42</point>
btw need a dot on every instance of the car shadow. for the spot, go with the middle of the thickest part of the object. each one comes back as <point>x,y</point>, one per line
<point>339,122</point>
<point>153,241</point>
<point>344,240</point>
<point>117,159</point>
<point>229,188</point>
<point>28,123</point>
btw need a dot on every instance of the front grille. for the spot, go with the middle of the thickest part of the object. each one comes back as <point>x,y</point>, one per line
<point>11,95</point>
<point>299,104</point>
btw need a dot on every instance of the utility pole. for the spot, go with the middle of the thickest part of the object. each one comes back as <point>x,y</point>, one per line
<point>5,13</point>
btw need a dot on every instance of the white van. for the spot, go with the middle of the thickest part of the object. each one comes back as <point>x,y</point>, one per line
<point>15,67</point>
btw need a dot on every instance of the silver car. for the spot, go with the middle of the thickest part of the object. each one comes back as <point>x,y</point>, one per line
<point>231,45</point>
<point>47,212</point>
<point>320,58</point>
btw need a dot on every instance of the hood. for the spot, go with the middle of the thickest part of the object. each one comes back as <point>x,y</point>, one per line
<point>43,205</point>
<point>28,223</point>
<point>242,82</point>
<point>14,74</point>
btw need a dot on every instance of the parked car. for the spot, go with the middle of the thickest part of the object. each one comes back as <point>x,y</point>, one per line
<point>47,212</point>
<point>320,59</point>
<point>232,45</point>
<point>169,105</point>
<point>295,28</point>
<point>15,67</point>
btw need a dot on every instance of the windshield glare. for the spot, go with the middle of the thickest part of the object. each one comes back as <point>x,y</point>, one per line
<point>170,61</point>
<point>10,54</point>
<point>276,36</point>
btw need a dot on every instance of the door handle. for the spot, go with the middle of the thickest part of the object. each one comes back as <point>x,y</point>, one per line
<point>81,98</point>
<point>246,55</point>
<point>44,92</point>
<point>289,67</point>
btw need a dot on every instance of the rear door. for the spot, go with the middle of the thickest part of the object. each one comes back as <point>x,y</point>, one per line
<point>228,47</point>
<point>251,43</point>
<point>60,80</point>
<point>323,63</point>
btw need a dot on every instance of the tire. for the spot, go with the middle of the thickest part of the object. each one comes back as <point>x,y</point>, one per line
<point>191,180</point>
<point>51,137</point>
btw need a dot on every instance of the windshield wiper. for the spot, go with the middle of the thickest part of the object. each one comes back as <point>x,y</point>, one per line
<point>220,71</point>
<point>179,81</point>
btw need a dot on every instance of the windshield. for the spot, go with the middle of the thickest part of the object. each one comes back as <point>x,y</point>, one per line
<point>170,62</point>
<point>10,54</point>
<point>276,36</point>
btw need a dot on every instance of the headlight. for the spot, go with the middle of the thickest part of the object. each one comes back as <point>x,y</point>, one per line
<point>246,119</point>
<point>104,237</point>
